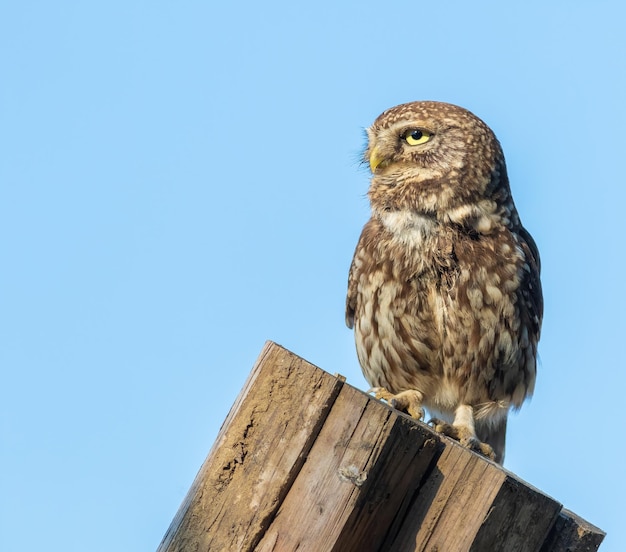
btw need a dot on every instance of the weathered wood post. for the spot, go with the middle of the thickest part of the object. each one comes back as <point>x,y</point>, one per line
<point>305,461</point>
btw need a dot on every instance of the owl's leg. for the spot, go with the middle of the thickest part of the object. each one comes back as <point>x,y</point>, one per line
<point>409,401</point>
<point>463,430</point>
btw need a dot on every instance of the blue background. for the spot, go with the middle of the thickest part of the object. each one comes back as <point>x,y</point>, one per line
<point>181,181</point>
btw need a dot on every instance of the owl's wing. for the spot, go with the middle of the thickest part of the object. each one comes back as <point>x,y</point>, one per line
<point>532,295</point>
<point>531,247</point>
<point>360,254</point>
<point>351,298</point>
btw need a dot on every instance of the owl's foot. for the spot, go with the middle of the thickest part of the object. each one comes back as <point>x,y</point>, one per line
<point>465,435</point>
<point>408,401</point>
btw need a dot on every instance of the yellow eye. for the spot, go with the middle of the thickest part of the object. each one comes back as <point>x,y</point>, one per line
<point>417,136</point>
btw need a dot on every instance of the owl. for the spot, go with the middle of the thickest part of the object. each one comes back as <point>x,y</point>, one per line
<point>444,292</point>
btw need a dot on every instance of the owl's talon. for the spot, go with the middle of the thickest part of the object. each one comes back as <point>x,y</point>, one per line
<point>482,448</point>
<point>464,436</point>
<point>409,401</point>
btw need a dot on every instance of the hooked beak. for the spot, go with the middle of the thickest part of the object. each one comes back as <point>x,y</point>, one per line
<point>376,159</point>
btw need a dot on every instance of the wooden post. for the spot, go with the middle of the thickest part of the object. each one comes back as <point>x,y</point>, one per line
<point>307,462</point>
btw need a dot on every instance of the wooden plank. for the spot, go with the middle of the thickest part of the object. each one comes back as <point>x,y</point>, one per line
<point>360,474</point>
<point>571,533</point>
<point>256,456</point>
<point>469,503</point>
<point>519,520</point>
<point>450,506</point>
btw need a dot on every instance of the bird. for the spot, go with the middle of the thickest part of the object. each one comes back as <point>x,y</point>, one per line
<point>444,290</point>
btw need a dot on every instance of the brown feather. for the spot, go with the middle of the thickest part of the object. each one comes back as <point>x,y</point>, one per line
<point>444,292</point>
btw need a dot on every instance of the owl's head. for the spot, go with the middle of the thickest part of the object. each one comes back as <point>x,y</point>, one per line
<point>434,158</point>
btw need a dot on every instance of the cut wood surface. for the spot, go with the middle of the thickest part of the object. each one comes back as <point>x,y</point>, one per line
<point>571,533</point>
<point>258,453</point>
<point>306,462</point>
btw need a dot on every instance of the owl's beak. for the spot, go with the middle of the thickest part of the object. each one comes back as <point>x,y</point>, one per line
<point>376,159</point>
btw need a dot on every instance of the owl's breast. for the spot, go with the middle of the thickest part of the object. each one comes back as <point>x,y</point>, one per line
<point>396,319</point>
<point>436,308</point>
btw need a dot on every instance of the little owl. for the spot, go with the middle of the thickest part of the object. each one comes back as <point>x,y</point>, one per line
<point>444,292</point>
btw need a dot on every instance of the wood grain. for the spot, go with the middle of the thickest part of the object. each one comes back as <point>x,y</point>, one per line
<point>366,462</point>
<point>258,453</point>
<point>571,533</point>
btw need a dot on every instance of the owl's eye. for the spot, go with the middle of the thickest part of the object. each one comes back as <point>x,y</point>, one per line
<point>416,136</point>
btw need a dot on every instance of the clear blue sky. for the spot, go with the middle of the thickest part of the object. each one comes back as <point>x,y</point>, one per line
<point>180,181</point>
